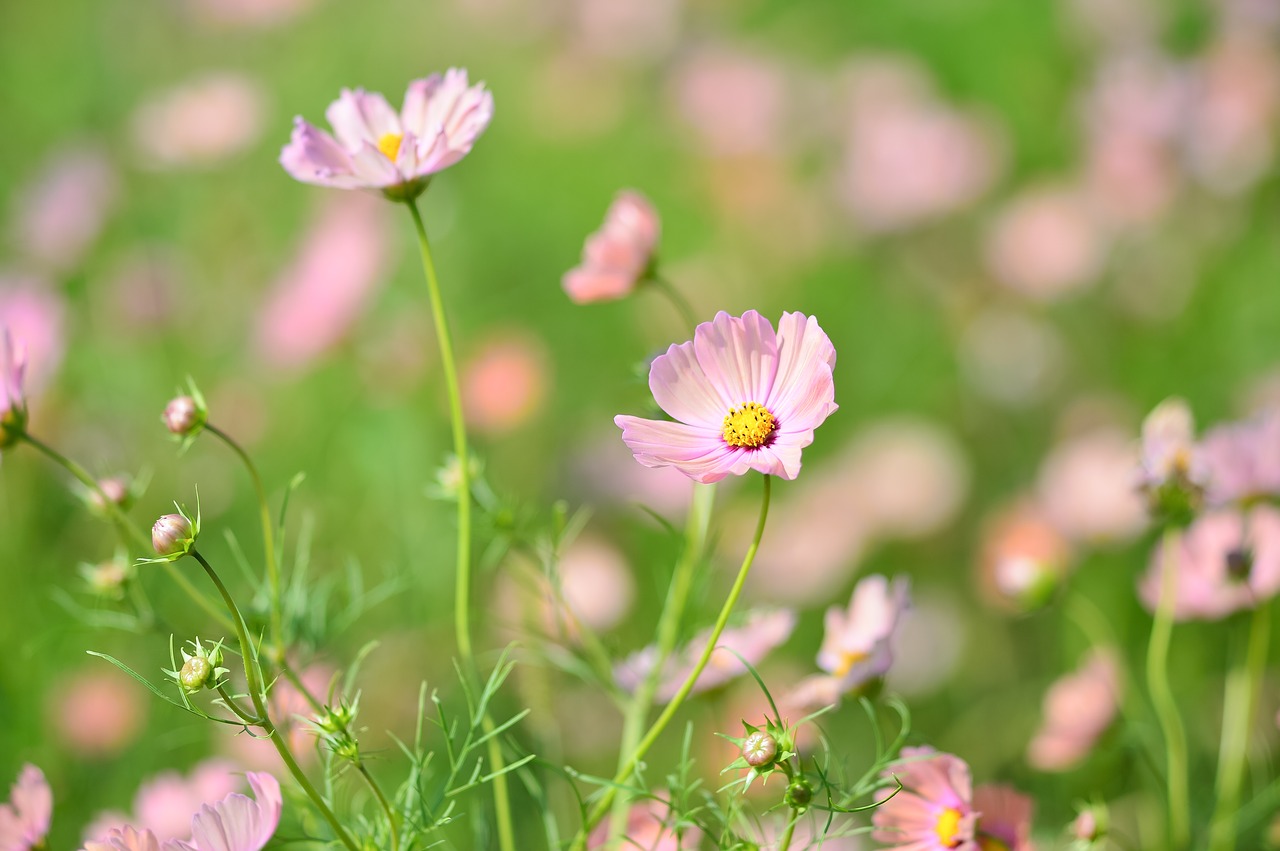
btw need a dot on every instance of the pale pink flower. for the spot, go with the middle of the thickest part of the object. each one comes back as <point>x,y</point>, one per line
<point>744,397</point>
<point>248,13</point>
<point>289,709</point>
<point>13,400</point>
<point>1023,559</point>
<point>1226,561</point>
<point>1004,816</point>
<point>1046,243</point>
<point>322,292</point>
<point>1078,709</point>
<point>761,632</point>
<point>650,827</point>
<point>199,123</point>
<point>908,157</point>
<point>126,838</point>
<point>736,102</point>
<point>97,712</point>
<point>614,29</point>
<point>1169,451</point>
<point>57,217</point>
<point>24,820</point>
<point>619,255</point>
<point>1242,460</point>
<point>1086,487</point>
<point>934,809</point>
<point>505,384</point>
<point>858,644</point>
<point>376,148</point>
<point>34,315</point>
<point>596,583</point>
<point>164,803</point>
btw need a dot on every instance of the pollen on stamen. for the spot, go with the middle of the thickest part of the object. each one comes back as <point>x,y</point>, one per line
<point>748,425</point>
<point>389,145</point>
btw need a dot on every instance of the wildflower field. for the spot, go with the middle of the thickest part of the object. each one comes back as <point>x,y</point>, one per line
<point>639,424</point>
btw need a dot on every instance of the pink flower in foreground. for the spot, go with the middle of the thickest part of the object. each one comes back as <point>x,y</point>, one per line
<point>934,809</point>
<point>1226,561</point>
<point>1242,460</point>
<point>24,821</point>
<point>236,823</point>
<point>618,256</point>
<point>13,403</point>
<point>857,647</point>
<point>745,397</point>
<point>1004,821</point>
<point>763,631</point>
<point>1078,708</point>
<point>376,148</point>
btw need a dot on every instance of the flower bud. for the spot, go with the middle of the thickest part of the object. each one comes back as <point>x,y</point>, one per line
<point>108,578</point>
<point>1091,824</point>
<point>759,749</point>
<point>202,668</point>
<point>195,673</point>
<point>185,416</point>
<point>799,794</point>
<point>172,534</point>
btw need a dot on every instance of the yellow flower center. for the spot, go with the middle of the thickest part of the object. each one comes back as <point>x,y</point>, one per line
<point>848,659</point>
<point>389,145</point>
<point>947,827</point>
<point>748,425</point>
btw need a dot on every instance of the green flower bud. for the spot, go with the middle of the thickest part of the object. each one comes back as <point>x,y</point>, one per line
<point>799,794</point>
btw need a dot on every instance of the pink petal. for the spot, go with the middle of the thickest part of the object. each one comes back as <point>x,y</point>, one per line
<point>781,459</point>
<point>697,452</point>
<point>804,392</point>
<point>585,285</point>
<point>448,107</point>
<point>373,168</point>
<point>739,356</point>
<point>359,117</point>
<point>683,390</point>
<point>313,156</point>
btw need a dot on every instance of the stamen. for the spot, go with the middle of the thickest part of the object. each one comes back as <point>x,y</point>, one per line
<point>748,425</point>
<point>389,145</point>
<point>948,827</point>
<point>848,659</point>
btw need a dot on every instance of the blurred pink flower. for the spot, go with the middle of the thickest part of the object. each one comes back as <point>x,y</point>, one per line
<point>1078,709</point>
<point>1226,561</point>
<point>737,103</point>
<point>1046,243</point>
<point>744,397</point>
<point>620,29</point>
<point>248,13</point>
<point>762,631</point>
<point>858,644</point>
<point>596,583</point>
<point>908,157</point>
<point>395,153</point>
<point>505,383</point>
<point>318,297</point>
<point>608,472</point>
<point>1087,490</point>
<point>33,315</point>
<point>1169,450</point>
<point>934,809</point>
<point>1023,559</point>
<point>289,710</point>
<point>97,712</point>
<point>58,215</point>
<point>650,828</point>
<point>200,122</point>
<point>1004,816</point>
<point>24,820</point>
<point>13,400</point>
<point>1242,460</point>
<point>619,255</point>
<point>164,803</point>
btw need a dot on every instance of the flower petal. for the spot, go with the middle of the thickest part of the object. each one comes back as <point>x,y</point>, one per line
<point>358,117</point>
<point>313,156</point>
<point>739,356</point>
<point>697,452</point>
<point>447,107</point>
<point>804,392</point>
<point>682,389</point>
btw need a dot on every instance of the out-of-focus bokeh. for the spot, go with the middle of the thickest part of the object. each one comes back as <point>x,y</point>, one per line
<point>1022,223</point>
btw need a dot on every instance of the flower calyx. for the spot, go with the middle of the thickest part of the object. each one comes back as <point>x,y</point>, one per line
<point>333,726</point>
<point>764,751</point>
<point>201,668</point>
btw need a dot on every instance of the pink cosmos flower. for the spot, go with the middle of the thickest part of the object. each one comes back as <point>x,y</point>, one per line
<point>506,382</point>
<point>762,632</point>
<point>58,216</point>
<point>1226,561</point>
<point>13,402</point>
<point>376,148</point>
<point>96,712</point>
<point>1004,816</point>
<point>34,315</point>
<point>1242,460</point>
<point>857,647</point>
<point>619,255</point>
<point>236,823</point>
<point>1078,708</point>
<point>745,397</point>
<point>24,821</point>
<point>934,809</point>
<point>1046,243</point>
<point>1169,451</point>
<point>199,123</point>
<point>1086,487</point>
<point>1023,557</point>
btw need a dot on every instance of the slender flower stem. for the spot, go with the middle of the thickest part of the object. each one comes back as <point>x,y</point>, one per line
<point>1166,707</point>
<point>122,522</point>
<point>462,586</point>
<point>240,712</point>
<point>695,539</point>
<point>253,680</point>
<point>393,826</point>
<point>606,799</point>
<point>790,831</point>
<point>1240,704</point>
<point>268,545</point>
<point>677,300</point>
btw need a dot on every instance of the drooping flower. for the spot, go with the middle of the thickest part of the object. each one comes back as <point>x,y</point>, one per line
<point>24,821</point>
<point>934,809</point>
<point>376,148</point>
<point>1226,561</point>
<point>619,255</point>
<point>13,402</point>
<point>1078,708</point>
<point>763,631</point>
<point>744,396</point>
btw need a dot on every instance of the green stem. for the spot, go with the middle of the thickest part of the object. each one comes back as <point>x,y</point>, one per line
<point>462,586</point>
<point>1240,704</point>
<point>606,799</point>
<point>392,824</point>
<point>1166,708</point>
<point>122,522</point>
<point>240,711</point>
<point>695,533</point>
<point>253,679</point>
<point>677,300</point>
<point>296,681</point>
<point>268,545</point>
<point>790,831</point>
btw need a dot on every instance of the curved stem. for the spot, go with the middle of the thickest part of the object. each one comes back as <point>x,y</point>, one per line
<point>696,525</point>
<point>1240,703</point>
<point>122,522</point>
<point>1162,699</point>
<point>253,679</point>
<point>240,711</point>
<point>462,586</point>
<point>268,545</point>
<point>606,799</point>
<point>677,300</point>
<point>392,825</point>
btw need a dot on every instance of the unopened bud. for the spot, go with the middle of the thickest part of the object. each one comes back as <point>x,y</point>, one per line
<point>113,491</point>
<point>172,534</point>
<point>799,794</point>
<point>184,416</point>
<point>1090,824</point>
<point>195,673</point>
<point>759,749</point>
<point>108,578</point>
